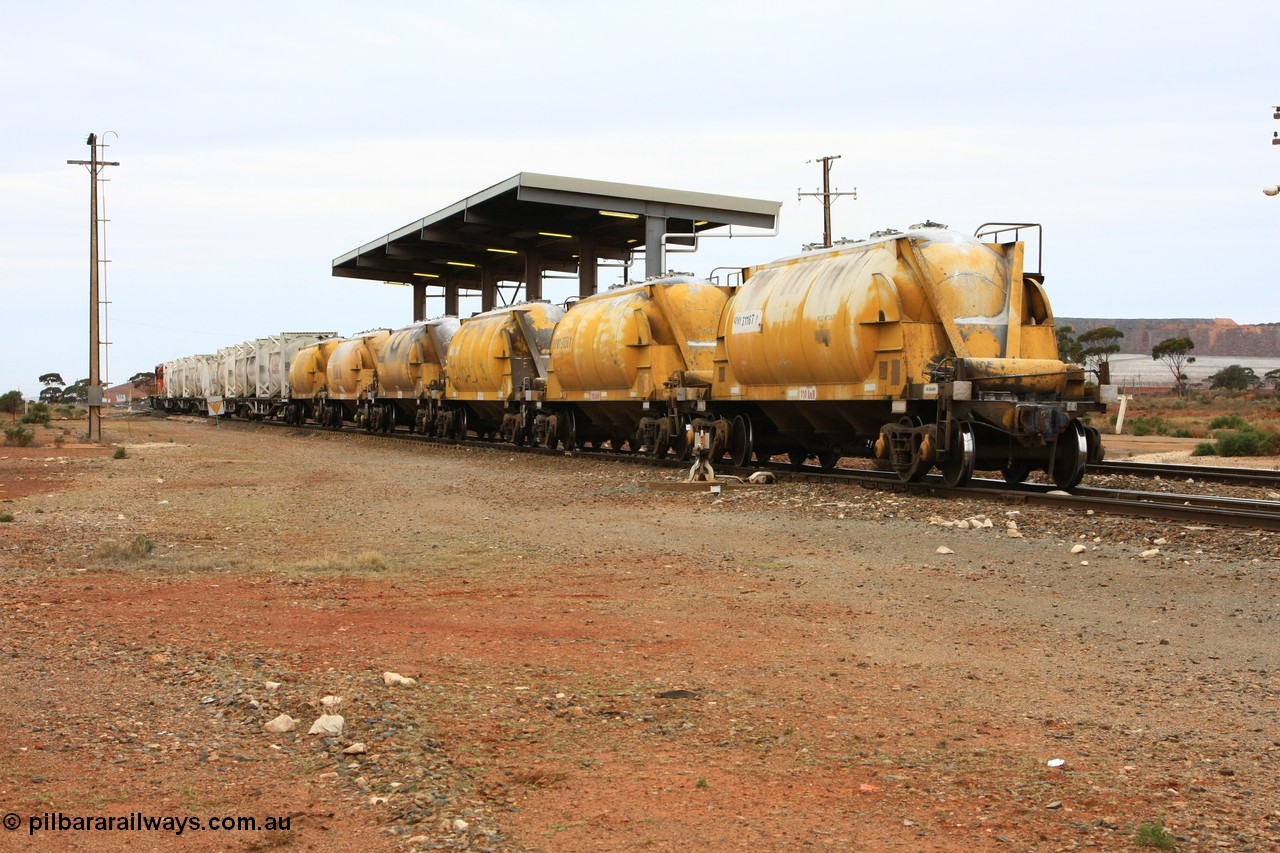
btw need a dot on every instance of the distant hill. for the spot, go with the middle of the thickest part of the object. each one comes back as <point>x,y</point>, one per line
<point>1211,337</point>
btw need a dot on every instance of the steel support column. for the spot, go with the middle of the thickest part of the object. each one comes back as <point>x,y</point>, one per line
<point>532,276</point>
<point>419,301</point>
<point>488,289</point>
<point>655,253</point>
<point>450,299</point>
<point>588,272</point>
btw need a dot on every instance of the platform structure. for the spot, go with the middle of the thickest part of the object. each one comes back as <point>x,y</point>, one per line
<point>505,239</point>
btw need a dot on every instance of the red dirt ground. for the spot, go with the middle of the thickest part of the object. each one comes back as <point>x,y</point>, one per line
<point>605,667</point>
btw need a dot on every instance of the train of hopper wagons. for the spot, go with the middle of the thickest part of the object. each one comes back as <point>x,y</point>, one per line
<point>921,349</point>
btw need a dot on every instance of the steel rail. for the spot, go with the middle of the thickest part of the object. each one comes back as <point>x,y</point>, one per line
<point>1206,473</point>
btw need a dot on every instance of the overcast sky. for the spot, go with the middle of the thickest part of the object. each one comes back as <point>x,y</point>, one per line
<point>259,141</point>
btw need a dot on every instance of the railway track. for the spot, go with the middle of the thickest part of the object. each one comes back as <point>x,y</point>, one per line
<point>1194,509</point>
<point>1187,508</point>
<point>1262,477</point>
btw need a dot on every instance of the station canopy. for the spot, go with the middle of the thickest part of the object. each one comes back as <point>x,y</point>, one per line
<point>531,224</point>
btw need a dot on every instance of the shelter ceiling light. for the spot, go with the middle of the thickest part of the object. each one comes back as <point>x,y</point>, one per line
<point>615,213</point>
<point>459,264</point>
<point>554,234</point>
<point>426,275</point>
<point>503,251</point>
<point>699,222</point>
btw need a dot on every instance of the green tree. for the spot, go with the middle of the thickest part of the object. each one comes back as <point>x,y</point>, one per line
<point>1098,345</point>
<point>76,392</point>
<point>11,403</point>
<point>52,391</point>
<point>1176,354</point>
<point>1069,349</point>
<point>37,413</point>
<point>1272,376</point>
<point>144,380</point>
<point>1234,378</point>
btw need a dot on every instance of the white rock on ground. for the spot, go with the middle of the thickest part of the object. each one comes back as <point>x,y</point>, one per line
<point>328,724</point>
<point>1079,549</point>
<point>395,679</point>
<point>280,725</point>
<point>355,749</point>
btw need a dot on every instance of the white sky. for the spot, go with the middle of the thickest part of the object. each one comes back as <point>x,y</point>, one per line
<point>261,140</point>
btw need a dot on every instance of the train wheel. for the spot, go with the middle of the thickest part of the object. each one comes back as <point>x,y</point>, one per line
<point>1070,455</point>
<point>957,468</point>
<point>921,460</point>
<point>914,469</point>
<point>1094,439</point>
<point>740,441</point>
<point>568,432</point>
<point>459,431</point>
<point>1016,472</point>
<point>797,459</point>
<point>682,441</point>
<point>828,459</point>
<point>662,441</point>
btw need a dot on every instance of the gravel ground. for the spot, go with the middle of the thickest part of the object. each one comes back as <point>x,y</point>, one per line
<point>601,665</point>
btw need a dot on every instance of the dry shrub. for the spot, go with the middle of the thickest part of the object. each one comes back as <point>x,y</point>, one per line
<point>365,562</point>
<point>136,548</point>
<point>19,435</point>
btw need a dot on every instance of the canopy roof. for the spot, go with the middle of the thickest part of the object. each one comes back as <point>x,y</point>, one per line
<point>529,223</point>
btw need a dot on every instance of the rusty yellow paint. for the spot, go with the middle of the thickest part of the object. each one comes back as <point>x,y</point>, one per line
<point>308,377</point>
<point>490,355</point>
<point>629,342</point>
<point>1017,292</point>
<point>838,320</point>
<point>352,369</point>
<point>410,362</point>
<point>1021,375</point>
<point>942,307</point>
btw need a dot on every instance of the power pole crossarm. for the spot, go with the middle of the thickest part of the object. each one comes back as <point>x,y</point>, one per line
<point>94,391</point>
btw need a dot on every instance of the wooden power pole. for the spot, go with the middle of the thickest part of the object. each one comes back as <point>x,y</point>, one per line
<point>826,195</point>
<point>94,391</point>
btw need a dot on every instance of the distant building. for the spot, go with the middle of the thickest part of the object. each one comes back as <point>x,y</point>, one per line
<point>126,395</point>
